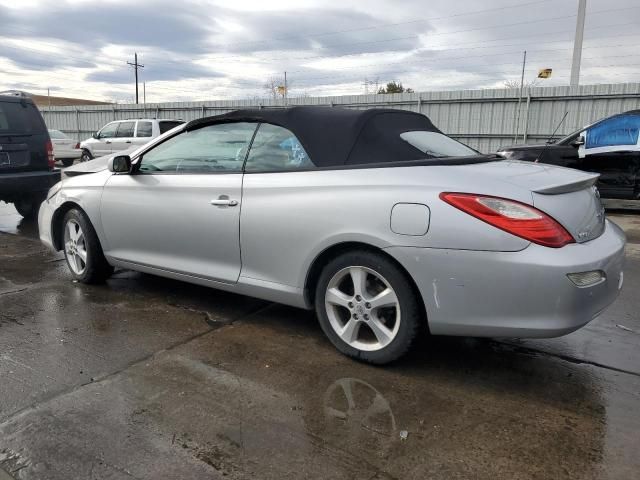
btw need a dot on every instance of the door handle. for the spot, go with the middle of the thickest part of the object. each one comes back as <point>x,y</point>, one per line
<point>224,202</point>
<point>128,141</point>
<point>108,141</point>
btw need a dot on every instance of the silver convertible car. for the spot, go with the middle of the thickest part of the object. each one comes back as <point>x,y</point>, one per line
<point>375,219</point>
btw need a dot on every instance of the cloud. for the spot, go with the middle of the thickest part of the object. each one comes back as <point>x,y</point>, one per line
<point>199,49</point>
<point>154,71</point>
<point>31,59</point>
<point>306,30</point>
<point>152,24</point>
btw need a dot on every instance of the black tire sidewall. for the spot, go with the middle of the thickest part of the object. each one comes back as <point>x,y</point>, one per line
<point>411,312</point>
<point>86,156</point>
<point>28,206</point>
<point>67,162</point>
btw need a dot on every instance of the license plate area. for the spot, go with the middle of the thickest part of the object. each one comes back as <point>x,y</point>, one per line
<point>5,160</point>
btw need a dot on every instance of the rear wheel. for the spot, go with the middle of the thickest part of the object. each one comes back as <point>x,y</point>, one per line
<point>28,206</point>
<point>67,162</point>
<point>82,249</point>
<point>368,307</point>
<point>86,156</point>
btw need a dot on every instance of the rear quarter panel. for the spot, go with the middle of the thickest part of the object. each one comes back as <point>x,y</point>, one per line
<point>288,219</point>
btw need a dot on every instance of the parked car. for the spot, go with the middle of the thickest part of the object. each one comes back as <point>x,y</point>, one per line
<point>610,147</point>
<point>26,154</point>
<point>65,149</point>
<point>375,218</point>
<point>123,134</point>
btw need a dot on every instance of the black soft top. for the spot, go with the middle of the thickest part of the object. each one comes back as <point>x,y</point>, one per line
<point>335,136</point>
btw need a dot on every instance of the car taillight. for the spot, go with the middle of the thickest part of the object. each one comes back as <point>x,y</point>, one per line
<point>77,145</point>
<point>513,217</point>
<point>51,159</point>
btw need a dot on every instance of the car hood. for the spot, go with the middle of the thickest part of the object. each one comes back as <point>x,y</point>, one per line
<point>533,147</point>
<point>96,165</point>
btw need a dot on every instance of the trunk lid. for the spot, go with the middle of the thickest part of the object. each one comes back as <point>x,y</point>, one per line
<point>567,195</point>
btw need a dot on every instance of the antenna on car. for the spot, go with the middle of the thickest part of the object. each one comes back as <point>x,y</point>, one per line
<point>548,142</point>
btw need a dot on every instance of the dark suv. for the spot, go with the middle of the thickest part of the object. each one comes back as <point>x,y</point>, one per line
<point>26,155</point>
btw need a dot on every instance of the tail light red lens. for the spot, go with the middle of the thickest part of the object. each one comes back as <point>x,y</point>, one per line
<point>51,159</point>
<point>77,145</point>
<point>513,217</point>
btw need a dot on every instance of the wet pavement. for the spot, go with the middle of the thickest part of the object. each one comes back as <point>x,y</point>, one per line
<point>151,378</point>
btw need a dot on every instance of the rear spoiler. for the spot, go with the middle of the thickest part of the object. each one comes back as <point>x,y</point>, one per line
<point>588,180</point>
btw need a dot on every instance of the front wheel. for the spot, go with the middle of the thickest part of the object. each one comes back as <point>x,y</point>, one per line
<point>82,249</point>
<point>368,307</point>
<point>86,156</point>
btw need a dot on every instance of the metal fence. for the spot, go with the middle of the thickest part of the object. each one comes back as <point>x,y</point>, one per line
<point>483,119</point>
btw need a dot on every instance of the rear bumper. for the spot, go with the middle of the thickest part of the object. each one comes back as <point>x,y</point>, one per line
<point>16,184</point>
<point>515,294</point>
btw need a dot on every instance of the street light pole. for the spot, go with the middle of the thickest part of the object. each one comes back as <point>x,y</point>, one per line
<point>577,43</point>
<point>516,127</point>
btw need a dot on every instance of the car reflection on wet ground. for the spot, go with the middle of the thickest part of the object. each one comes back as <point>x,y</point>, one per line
<point>146,377</point>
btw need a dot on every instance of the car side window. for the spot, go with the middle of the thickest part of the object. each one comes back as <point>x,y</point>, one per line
<point>276,149</point>
<point>125,129</point>
<point>109,131</point>
<point>145,129</point>
<point>619,130</point>
<point>212,149</point>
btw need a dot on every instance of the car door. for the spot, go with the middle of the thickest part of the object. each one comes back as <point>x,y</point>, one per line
<point>611,149</point>
<point>144,132</point>
<point>279,189</point>
<point>563,154</point>
<point>180,209</point>
<point>104,139</point>
<point>124,136</point>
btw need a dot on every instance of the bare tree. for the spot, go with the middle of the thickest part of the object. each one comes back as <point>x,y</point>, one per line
<point>516,83</point>
<point>275,87</point>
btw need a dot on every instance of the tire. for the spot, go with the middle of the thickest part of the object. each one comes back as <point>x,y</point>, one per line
<point>86,155</point>
<point>67,162</point>
<point>28,206</point>
<point>351,322</point>
<point>82,249</point>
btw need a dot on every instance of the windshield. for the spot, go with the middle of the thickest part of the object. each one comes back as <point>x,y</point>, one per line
<point>57,134</point>
<point>437,144</point>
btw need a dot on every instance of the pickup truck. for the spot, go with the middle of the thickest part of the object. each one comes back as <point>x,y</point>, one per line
<point>124,134</point>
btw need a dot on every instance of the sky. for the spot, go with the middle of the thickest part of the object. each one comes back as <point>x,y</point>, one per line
<point>206,49</point>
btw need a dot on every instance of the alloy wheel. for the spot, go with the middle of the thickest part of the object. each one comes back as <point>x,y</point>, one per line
<point>363,309</point>
<point>75,247</point>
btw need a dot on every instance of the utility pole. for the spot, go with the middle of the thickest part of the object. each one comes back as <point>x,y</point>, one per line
<point>49,97</point>
<point>577,43</point>
<point>516,126</point>
<point>136,66</point>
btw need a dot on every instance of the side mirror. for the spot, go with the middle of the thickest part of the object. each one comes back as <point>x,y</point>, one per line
<point>120,164</point>
<point>578,141</point>
<point>95,135</point>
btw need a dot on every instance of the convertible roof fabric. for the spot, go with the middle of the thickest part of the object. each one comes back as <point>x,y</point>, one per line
<point>335,136</point>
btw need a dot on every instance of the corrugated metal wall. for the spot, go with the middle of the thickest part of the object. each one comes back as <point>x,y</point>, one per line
<point>483,119</point>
